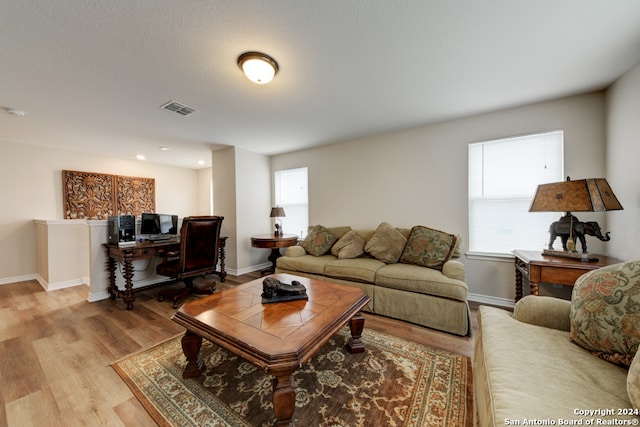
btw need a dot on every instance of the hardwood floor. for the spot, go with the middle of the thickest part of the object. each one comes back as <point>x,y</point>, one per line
<point>56,351</point>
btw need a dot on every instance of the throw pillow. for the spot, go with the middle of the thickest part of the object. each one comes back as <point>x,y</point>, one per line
<point>351,245</point>
<point>605,312</point>
<point>633,381</point>
<point>427,247</point>
<point>386,244</point>
<point>457,251</point>
<point>319,241</point>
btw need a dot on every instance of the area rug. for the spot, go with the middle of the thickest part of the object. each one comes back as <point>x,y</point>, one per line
<point>395,382</point>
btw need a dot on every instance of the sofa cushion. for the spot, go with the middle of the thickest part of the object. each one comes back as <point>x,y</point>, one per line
<point>319,241</point>
<point>544,311</point>
<point>421,280</point>
<point>351,245</point>
<point>605,312</point>
<point>633,381</point>
<point>428,247</point>
<point>533,372</point>
<point>386,244</point>
<point>305,263</point>
<point>358,269</point>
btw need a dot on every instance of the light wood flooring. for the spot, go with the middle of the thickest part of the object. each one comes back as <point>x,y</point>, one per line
<point>56,351</point>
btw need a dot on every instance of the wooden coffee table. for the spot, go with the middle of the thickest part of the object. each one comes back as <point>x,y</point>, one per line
<point>278,337</point>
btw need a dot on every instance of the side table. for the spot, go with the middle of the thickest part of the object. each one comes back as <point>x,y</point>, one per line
<point>273,242</point>
<point>540,268</point>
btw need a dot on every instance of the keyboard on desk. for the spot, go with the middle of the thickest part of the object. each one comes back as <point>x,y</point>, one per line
<point>161,238</point>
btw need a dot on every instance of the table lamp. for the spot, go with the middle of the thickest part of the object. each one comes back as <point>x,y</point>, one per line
<point>583,195</point>
<point>277,213</point>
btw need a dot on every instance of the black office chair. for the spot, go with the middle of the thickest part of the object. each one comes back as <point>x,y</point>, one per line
<point>198,256</point>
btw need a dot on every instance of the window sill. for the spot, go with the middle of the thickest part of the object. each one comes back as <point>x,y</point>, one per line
<point>486,256</point>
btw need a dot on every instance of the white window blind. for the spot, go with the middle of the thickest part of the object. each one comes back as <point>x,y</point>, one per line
<point>503,177</point>
<point>292,194</point>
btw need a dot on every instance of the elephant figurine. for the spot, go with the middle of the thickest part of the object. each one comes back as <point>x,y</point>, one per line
<point>562,228</point>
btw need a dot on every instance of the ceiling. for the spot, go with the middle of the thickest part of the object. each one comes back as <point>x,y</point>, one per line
<point>91,75</point>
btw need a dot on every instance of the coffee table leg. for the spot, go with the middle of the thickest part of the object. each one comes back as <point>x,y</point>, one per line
<point>356,324</point>
<point>191,344</point>
<point>284,398</point>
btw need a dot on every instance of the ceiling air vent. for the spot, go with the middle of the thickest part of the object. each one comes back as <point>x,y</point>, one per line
<point>176,107</point>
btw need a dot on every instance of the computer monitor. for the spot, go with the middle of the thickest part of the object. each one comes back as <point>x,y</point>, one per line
<point>158,224</point>
<point>168,224</point>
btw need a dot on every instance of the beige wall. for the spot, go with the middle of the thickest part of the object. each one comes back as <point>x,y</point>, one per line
<point>205,192</point>
<point>32,189</point>
<point>419,176</point>
<point>623,154</point>
<point>242,194</point>
<point>253,182</point>
<point>224,198</point>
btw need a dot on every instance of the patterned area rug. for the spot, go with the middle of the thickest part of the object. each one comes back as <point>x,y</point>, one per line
<point>393,383</point>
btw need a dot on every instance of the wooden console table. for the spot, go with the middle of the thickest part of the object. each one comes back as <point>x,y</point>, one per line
<point>273,242</point>
<point>144,250</point>
<point>540,268</point>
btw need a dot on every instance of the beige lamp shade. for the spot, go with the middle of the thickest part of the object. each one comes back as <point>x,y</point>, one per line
<point>277,213</point>
<point>582,195</point>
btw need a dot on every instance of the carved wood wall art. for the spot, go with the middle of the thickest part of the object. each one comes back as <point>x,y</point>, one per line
<point>89,195</point>
<point>135,195</point>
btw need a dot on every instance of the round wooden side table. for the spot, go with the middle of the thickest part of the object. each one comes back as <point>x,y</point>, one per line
<point>273,242</point>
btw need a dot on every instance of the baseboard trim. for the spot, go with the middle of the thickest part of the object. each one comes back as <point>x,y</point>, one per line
<point>248,270</point>
<point>98,296</point>
<point>16,279</point>
<point>62,285</point>
<point>490,300</point>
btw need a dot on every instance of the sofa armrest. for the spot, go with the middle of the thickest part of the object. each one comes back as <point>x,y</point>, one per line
<point>454,270</point>
<point>544,311</point>
<point>295,251</point>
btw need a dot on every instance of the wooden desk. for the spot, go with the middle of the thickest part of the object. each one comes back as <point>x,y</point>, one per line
<point>540,268</point>
<point>270,241</point>
<point>278,338</point>
<point>144,250</point>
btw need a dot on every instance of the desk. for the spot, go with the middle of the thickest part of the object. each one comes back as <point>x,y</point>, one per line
<point>144,250</point>
<point>540,268</point>
<point>273,242</point>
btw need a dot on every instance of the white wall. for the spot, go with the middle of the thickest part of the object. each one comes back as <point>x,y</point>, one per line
<point>623,174</point>
<point>419,176</point>
<point>31,189</point>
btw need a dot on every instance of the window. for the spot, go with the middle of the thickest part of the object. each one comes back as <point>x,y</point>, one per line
<point>292,194</point>
<point>503,177</point>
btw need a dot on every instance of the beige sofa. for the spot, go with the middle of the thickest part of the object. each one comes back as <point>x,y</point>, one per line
<point>526,371</point>
<point>432,297</point>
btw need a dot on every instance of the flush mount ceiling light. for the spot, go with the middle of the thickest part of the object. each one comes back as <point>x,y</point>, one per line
<point>260,68</point>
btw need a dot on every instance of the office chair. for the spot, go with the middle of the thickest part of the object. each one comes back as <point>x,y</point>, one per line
<point>198,256</point>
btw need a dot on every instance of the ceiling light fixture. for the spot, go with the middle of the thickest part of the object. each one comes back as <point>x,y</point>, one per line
<point>259,67</point>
